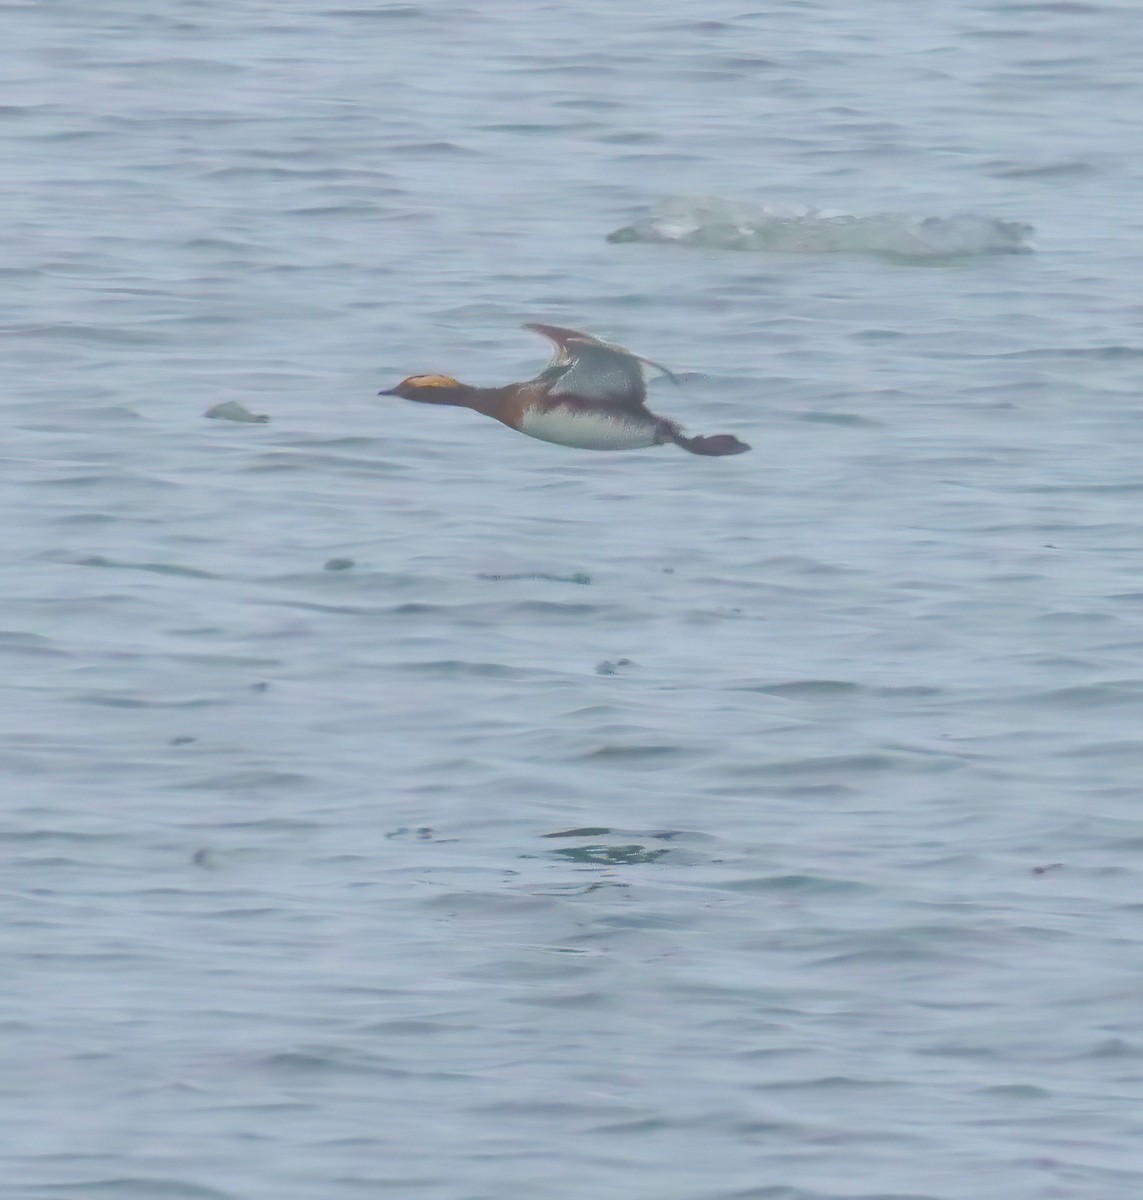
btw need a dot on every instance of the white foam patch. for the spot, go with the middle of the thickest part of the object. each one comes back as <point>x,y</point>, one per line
<point>788,229</point>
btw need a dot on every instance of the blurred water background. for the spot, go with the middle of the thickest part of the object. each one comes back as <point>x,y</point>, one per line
<point>395,805</point>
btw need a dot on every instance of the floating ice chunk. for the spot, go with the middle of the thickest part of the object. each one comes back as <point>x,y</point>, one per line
<point>790,229</point>
<point>231,410</point>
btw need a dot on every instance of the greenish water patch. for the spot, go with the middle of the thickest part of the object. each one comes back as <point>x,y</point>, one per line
<point>97,560</point>
<point>581,578</point>
<point>609,855</point>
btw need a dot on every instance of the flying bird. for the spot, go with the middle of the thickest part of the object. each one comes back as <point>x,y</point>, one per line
<point>592,396</point>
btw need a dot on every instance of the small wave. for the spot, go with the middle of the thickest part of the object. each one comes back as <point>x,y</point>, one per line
<point>790,229</point>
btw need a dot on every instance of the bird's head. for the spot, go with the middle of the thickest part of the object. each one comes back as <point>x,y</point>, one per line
<point>428,389</point>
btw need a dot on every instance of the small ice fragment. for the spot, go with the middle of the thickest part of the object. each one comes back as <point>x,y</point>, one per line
<point>231,410</point>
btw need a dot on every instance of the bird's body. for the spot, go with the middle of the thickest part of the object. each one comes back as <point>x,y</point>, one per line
<point>590,396</point>
<point>587,428</point>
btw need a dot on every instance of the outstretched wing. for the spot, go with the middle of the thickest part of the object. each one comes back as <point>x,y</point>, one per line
<point>595,370</point>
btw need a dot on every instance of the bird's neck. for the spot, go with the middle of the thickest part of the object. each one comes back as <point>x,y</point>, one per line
<point>491,401</point>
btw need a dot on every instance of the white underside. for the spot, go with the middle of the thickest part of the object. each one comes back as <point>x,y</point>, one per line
<point>587,431</point>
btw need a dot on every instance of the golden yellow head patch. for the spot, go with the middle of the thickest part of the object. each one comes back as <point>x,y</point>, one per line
<point>432,381</point>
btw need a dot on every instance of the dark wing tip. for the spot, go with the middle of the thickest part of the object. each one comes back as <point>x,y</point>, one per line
<point>559,334</point>
<point>564,338</point>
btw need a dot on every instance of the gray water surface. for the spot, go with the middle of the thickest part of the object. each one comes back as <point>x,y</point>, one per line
<point>398,806</point>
